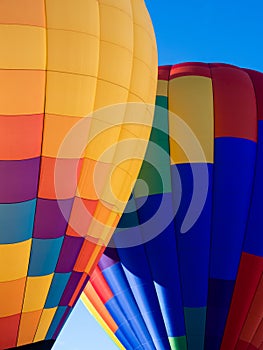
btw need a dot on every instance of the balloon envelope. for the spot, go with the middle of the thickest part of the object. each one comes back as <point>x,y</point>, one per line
<point>63,60</point>
<point>185,266</point>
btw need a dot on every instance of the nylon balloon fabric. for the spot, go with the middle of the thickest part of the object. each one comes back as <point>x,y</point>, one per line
<point>71,73</point>
<point>184,269</point>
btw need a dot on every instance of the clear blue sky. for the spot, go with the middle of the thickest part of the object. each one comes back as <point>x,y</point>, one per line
<point>228,31</point>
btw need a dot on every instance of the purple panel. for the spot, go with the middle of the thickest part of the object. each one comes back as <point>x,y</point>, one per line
<point>109,258</point>
<point>18,180</point>
<point>52,217</point>
<point>70,288</point>
<point>69,253</point>
<point>62,322</point>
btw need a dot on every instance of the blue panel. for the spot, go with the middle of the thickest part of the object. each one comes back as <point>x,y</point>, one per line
<point>193,245</point>
<point>61,310</point>
<point>117,281</point>
<point>16,221</point>
<point>162,257</point>
<point>44,256</point>
<point>136,268</point>
<point>254,236</point>
<point>119,334</point>
<point>116,311</point>
<point>219,300</point>
<point>56,290</point>
<point>233,178</point>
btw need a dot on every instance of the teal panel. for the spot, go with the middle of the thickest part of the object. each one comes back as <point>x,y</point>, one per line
<point>44,256</point>
<point>195,320</point>
<point>16,221</point>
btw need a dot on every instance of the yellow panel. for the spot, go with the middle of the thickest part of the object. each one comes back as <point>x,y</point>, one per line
<point>116,143</point>
<point>11,297</point>
<point>191,119</point>
<point>80,15</point>
<point>35,301</point>
<point>141,80</point>
<point>14,260</point>
<point>123,5</point>
<point>108,94</point>
<point>162,88</point>
<point>22,92</point>
<point>22,47</point>
<point>103,147</point>
<point>115,65</point>
<point>112,19</point>
<point>44,323</point>
<point>140,15</point>
<point>143,45</point>
<point>121,185</point>
<point>100,320</point>
<point>70,94</point>
<point>73,52</point>
<point>27,327</point>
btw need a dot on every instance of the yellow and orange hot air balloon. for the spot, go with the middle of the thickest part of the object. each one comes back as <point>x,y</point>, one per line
<point>61,60</point>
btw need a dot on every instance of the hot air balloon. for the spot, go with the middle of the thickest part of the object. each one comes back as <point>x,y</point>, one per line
<point>184,269</point>
<point>61,61</point>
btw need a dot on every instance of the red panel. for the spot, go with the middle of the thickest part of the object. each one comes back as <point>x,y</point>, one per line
<point>85,254</point>
<point>164,72</point>
<point>101,286</point>
<point>234,103</point>
<point>254,317</point>
<point>20,136</point>
<point>257,80</point>
<point>257,340</point>
<point>9,327</point>
<point>195,68</point>
<point>58,178</point>
<point>249,274</point>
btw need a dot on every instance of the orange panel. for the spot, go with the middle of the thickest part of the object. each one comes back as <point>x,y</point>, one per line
<point>28,327</point>
<point>99,306</point>
<point>81,217</point>
<point>22,92</point>
<point>103,213</point>
<point>11,297</point>
<point>58,178</point>
<point>20,136</point>
<point>9,327</point>
<point>23,12</point>
<point>64,131</point>
<point>85,255</point>
<point>94,176</point>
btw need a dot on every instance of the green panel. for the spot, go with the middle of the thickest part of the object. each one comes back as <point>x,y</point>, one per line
<point>195,320</point>
<point>161,114</point>
<point>178,343</point>
<point>162,101</point>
